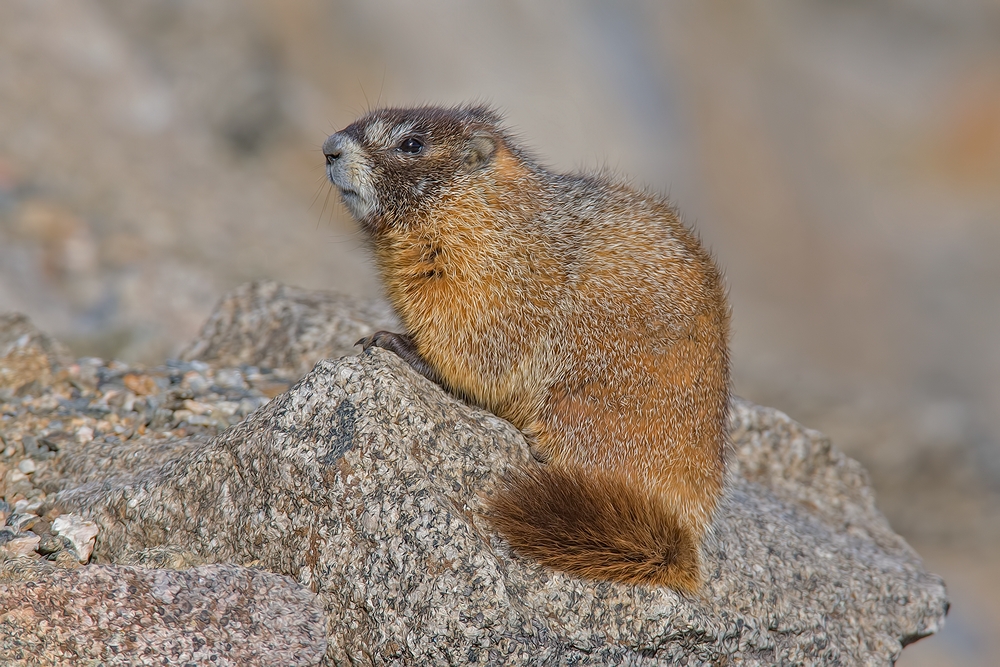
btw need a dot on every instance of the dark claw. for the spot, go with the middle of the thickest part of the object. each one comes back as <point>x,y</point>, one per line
<point>383,339</point>
<point>401,345</point>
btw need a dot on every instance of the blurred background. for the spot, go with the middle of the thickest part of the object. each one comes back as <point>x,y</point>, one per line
<point>841,159</point>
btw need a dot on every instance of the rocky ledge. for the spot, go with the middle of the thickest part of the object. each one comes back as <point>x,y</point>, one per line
<point>244,520</point>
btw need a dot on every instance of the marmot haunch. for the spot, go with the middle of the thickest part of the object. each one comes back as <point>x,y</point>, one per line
<point>576,307</point>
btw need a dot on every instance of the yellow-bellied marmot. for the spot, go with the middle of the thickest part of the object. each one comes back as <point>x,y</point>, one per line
<point>574,306</point>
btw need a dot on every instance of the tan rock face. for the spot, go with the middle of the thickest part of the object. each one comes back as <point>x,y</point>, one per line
<point>22,366</point>
<point>28,357</point>
<point>285,328</point>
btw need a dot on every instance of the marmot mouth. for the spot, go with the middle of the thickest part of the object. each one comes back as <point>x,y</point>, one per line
<point>341,183</point>
<point>356,203</point>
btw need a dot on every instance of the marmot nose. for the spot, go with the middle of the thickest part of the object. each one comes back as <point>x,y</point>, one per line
<point>333,148</point>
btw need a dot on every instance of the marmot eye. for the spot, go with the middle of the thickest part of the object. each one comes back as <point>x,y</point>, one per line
<point>411,145</point>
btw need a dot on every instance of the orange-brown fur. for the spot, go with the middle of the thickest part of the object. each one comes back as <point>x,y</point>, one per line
<point>577,308</point>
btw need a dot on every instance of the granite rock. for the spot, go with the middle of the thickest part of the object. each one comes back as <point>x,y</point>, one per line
<point>365,483</point>
<point>276,326</point>
<point>347,510</point>
<point>28,358</point>
<point>115,615</point>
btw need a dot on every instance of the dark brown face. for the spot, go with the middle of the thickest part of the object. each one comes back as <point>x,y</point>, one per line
<point>391,162</point>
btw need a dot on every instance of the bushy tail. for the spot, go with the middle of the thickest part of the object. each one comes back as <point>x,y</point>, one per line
<point>595,527</point>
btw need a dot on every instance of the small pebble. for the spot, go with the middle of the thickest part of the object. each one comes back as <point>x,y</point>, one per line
<point>197,382</point>
<point>143,385</point>
<point>22,545</point>
<point>50,544</point>
<point>197,407</point>
<point>29,505</point>
<point>81,534</point>
<point>229,378</point>
<point>27,466</point>
<point>22,521</point>
<point>199,366</point>
<point>226,408</point>
<point>33,449</point>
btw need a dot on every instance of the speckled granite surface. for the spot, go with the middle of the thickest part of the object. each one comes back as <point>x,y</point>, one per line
<point>277,326</point>
<point>110,615</point>
<point>364,482</point>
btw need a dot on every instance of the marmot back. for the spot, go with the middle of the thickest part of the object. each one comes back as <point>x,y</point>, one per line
<point>576,307</point>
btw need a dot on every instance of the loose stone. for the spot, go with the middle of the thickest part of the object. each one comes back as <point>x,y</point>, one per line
<point>20,546</point>
<point>81,534</point>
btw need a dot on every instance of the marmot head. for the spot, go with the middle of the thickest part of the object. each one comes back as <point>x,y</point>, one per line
<point>391,162</point>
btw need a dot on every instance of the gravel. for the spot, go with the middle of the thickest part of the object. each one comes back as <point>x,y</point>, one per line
<point>95,403</point>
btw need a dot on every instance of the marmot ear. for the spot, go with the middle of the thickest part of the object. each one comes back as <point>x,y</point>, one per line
<point>479,151</point>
